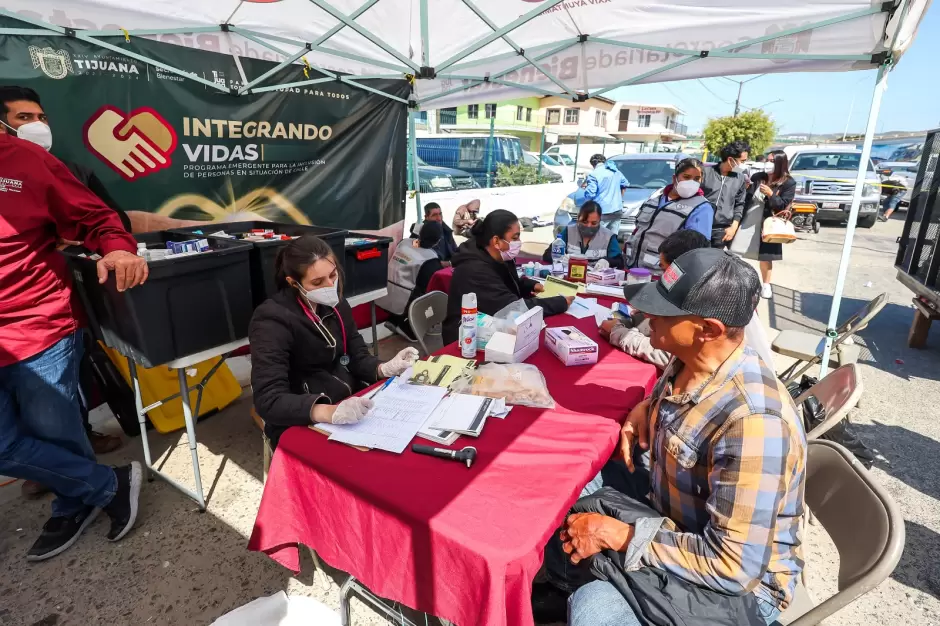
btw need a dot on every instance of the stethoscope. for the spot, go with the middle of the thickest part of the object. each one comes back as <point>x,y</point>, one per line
<point>325,332</point>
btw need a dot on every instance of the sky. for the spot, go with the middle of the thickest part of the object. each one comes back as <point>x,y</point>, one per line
<point>818,102</point>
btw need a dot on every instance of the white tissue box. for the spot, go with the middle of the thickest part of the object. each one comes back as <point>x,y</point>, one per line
<point>571,346</point>
<point>503,348</point>
<point>602,277</point>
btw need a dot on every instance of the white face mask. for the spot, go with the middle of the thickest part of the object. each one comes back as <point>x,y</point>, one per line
<point>36,132</point>
<point>327,296</point>
<point>739,167</point>
<point>687,188</point>
<point>514,248</point>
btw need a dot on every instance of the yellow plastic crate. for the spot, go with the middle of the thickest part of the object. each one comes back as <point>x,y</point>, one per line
<point>159,382</point>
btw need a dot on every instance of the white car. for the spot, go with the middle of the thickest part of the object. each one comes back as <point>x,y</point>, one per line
<point>551,173</point>
<point>566,163</point>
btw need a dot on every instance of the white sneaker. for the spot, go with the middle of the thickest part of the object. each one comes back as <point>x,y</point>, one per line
<point>767,291</point>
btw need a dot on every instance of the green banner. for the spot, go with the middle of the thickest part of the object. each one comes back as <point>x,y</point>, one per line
<point>327,154</point>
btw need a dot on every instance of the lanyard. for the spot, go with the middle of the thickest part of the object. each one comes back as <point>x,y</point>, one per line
<point>325,332</point>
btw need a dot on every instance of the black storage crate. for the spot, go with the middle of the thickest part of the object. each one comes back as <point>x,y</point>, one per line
<point>188,304</point>
<point>918,253</point>
<point>366,264</point>
<point>263,253</point>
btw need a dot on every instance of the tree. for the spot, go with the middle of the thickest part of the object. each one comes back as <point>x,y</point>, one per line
<point>520,174</point>
<point>755,127</point>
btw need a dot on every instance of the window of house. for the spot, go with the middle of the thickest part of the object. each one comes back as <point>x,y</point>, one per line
<point>624,120</point>
<point>519,113</point>
<point>597,118</point>
<point>571,116</point>
<point>528,114</point>
<point>554,116</point>
<point>643,121</point>
<point>490,110</point>
<point>600,119</point>
<point>473,111</point>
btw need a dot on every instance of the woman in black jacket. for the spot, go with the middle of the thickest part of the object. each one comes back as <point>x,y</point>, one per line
<point>307,356</point>
<point>485,265</point>
<point>778,188</point>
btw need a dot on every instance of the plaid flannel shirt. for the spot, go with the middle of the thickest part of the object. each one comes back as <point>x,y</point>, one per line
<point>728,466</point>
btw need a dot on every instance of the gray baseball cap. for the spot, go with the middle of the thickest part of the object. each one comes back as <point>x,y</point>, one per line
<point>707,283</point>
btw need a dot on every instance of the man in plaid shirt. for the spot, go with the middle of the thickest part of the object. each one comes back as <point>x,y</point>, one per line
<point>727,454</point>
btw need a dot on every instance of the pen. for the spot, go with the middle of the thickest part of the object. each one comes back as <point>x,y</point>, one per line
<point>384,385</point>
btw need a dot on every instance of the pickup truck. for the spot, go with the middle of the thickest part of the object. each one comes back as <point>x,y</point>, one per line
<point>826,177</point>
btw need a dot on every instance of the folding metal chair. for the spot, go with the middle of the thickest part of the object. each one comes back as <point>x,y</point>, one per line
<point>863,521</point>
<point>426,315</point>
<point>808,347</point>
<point>838,392</point>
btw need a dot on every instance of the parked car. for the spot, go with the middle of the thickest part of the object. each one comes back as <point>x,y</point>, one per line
<point>550,167</point>
<point>904,171</point>
<point>826,177</point>
<point>646,174</point>
<point>433,178</point>
<point>476,153</point>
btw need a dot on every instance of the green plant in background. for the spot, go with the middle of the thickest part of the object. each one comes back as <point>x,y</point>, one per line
<point>755,127</point>
<point>521,174</point>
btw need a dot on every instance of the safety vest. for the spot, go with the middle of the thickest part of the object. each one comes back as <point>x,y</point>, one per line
<point>597,247</point>
<point>403,275</point>
<point>655,223</point>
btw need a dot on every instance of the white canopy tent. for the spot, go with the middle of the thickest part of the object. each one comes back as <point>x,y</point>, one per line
<point>463,51</point>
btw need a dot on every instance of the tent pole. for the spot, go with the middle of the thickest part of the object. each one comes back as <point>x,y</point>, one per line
<point>425,43</point>
<point>881,83</point>
<point>416,180</point>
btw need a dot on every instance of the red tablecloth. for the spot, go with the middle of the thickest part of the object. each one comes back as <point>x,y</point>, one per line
<point>457,543</point>
<point>440,280</point>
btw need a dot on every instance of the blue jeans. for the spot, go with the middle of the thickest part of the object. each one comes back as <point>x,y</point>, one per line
<point>42,437</point>
<point>600,604</point>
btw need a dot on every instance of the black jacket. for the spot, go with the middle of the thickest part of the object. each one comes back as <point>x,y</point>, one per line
<point>783,193</point>
<point>656,597</point>
<point>726,194</point>
<point>293,367</point>
<point>496,284</point>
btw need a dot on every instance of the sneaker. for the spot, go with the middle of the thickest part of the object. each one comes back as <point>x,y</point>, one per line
<point>123,507</point>
<point>59,533</point>
<point>882,218</point>
<point>32,490</point>
<point>766,291</point>
<point>102,444</point>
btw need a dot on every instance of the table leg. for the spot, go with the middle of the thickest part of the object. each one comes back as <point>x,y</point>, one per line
<point>375,336</point>
<point>141,417</point>
<point>191,435</point>
<point>345,592</point>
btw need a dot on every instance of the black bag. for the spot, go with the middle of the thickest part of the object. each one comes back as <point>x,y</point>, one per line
<point>842,433</point>
<point>112,388</point>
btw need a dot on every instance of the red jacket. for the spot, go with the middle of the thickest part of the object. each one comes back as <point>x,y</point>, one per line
<point>40,201</point>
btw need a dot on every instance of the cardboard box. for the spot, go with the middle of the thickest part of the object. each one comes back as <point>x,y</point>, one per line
<point>508,348</point>
<point>571,346</point>
<point>602,277</point>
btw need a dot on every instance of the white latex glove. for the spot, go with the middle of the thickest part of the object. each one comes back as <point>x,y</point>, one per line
<point>402,361</point>
<point>351,410</point>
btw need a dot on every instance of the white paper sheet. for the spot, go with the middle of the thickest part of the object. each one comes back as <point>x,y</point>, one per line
<point>605,290</point>
<point>463,413</point>
<point>399,412</point>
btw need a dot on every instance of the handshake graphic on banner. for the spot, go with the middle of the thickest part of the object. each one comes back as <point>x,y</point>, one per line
<point>133,145</point>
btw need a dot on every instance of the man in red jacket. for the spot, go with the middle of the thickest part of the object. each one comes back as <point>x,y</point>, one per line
<point>41,433</point>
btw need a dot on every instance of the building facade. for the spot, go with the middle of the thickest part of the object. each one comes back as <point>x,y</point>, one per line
<point>647,123</point>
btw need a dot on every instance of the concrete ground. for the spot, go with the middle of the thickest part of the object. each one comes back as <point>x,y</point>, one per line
<point>180,566</point>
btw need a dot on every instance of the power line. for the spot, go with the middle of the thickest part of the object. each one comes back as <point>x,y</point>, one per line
<point>711,92</point>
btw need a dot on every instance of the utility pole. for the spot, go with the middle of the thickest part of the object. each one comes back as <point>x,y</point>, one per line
<point>737,102</point>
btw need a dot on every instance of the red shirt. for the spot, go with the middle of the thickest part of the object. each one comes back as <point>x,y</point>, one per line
<point>41,201</point>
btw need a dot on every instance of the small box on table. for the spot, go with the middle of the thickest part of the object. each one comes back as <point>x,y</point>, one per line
<point>505,347</point>
<point>602,277</point>
<point>571,346</point>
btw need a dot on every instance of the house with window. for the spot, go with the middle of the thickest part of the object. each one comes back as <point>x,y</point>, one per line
<point>515,117</point>
<point>649,123</point>
<point>565,120</point>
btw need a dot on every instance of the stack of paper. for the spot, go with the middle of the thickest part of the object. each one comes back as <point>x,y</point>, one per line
<point>605,290</point>
<point>587,307</point>
<point>560,287</point>
<point>462,413</point>
<point>399,412</point>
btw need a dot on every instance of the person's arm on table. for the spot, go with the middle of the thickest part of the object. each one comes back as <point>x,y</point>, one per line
<point>730,557</point>
<point>81,216</point>
<point>634,343</point>
<point>701,219</point>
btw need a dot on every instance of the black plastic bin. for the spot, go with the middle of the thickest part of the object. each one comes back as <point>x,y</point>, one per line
<point>263,253</point>
<point>366,263</point>
<point>188,304</point>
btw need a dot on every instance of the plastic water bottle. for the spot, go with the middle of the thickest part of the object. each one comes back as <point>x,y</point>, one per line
<point>558,252</point>
<point>468,326</point>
